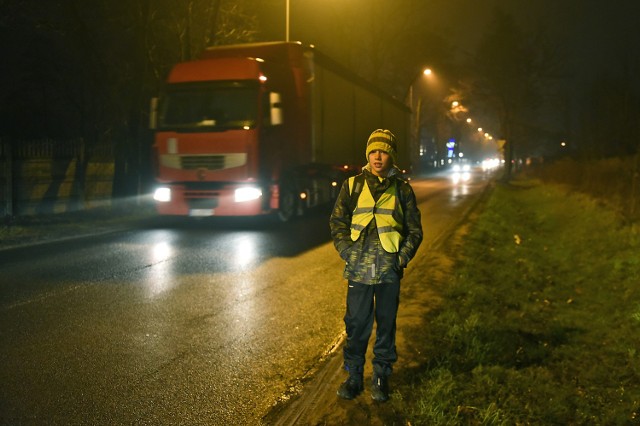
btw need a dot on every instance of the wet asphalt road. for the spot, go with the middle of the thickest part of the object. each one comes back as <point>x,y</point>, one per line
<point>201,322</point>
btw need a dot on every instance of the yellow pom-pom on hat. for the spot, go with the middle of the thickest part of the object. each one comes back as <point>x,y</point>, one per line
<point>382,140</point>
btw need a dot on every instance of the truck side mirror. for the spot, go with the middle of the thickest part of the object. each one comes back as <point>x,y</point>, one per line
<point>275,107</point>
<point>153,113</point>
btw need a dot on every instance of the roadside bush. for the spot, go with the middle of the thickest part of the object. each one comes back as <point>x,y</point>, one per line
<point>614,181</point>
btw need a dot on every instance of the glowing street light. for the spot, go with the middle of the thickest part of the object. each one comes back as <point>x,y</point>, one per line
<point>416,109</point>
<point>427,72</point>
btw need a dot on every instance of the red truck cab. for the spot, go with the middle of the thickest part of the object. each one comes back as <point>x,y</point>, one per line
<point>221,144</point>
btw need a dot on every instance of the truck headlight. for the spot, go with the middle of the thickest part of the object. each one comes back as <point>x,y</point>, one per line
<point>162,194</point>
<point>247,193</point>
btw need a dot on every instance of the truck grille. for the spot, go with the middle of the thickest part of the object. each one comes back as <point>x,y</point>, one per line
<point>209,162</point>
<point>204,161</point>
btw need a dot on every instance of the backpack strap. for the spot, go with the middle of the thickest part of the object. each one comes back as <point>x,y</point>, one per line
<point>399,183</point>
<point>355,188</point>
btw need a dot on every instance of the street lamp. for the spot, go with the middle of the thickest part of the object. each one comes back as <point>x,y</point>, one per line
<point>427,72</point>
<point>416,112</point>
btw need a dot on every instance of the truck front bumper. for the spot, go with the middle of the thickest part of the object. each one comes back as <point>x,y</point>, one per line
<point>232,200</point>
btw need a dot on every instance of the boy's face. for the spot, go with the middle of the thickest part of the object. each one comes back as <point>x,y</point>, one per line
<point>380,162</point>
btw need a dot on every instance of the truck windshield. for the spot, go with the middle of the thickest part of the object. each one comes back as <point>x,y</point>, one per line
<point>208,106</point>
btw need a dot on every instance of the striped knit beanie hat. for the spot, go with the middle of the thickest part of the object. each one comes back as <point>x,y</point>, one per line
<point>382,140</point>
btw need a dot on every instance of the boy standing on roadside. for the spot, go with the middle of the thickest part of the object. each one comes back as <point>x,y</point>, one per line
<point>375,226</point>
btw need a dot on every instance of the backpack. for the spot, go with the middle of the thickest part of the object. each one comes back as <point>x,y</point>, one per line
<point>355,187</point>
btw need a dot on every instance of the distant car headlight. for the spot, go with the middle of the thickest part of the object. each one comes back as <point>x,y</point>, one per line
<point>162,194</point>
<point>460,173</point>
<point>247,193</point>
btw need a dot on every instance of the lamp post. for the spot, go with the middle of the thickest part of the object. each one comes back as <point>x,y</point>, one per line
<point>286,37</point>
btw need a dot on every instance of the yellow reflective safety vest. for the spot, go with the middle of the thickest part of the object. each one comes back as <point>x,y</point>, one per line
<point>385,211</point>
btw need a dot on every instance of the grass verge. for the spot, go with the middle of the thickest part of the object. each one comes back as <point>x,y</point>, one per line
<point>540,321</point>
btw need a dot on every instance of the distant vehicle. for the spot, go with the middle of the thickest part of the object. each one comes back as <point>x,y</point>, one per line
<point>460,173</point>
<point>490,164</point>
<point>263,128</point>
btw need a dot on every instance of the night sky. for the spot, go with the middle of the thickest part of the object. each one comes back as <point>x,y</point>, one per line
<point>595,35</point>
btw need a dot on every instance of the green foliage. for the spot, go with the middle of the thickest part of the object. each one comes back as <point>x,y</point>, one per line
<point>540,323</point>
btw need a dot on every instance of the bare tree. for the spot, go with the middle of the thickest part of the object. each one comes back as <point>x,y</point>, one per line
<point>514,73</point>
<point>86,70</point>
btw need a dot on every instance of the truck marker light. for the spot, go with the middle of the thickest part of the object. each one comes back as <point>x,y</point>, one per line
<point>162,194</point>
<point>247,193</point>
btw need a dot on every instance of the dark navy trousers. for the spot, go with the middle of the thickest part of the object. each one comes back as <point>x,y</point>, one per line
<point>364,304</point>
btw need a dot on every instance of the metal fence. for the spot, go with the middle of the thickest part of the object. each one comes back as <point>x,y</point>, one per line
<point>54,148</point>
<point>37,176</point>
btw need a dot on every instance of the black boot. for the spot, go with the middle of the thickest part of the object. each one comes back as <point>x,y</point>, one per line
<point>351,387</point>
<point>380,388</point>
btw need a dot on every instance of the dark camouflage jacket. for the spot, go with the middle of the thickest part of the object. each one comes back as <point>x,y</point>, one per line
<point>366,261</point>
